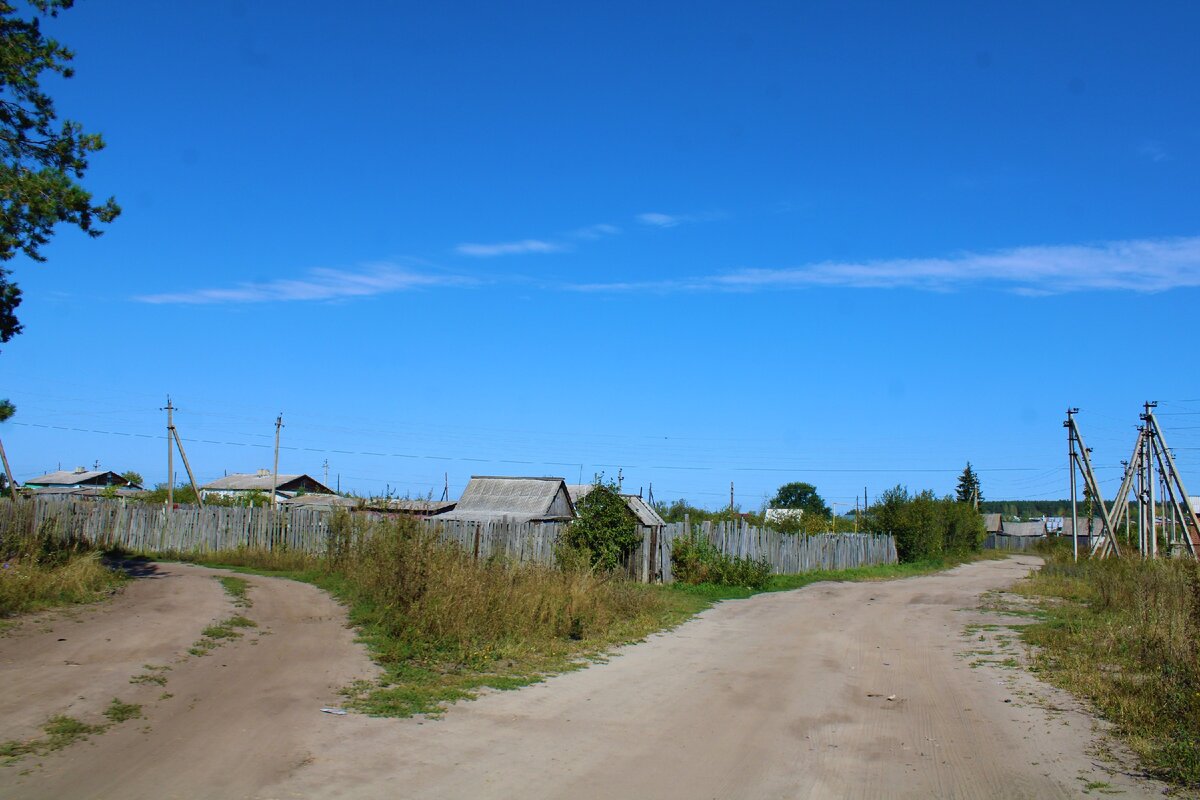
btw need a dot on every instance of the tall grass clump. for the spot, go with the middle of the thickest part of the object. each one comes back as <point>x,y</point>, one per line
<point>695,560</point>
<point>1125,633</point>
<point>41,566</point>
<point>434,600</point>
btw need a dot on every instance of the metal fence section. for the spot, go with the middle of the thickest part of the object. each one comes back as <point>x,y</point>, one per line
<point>155,529</point>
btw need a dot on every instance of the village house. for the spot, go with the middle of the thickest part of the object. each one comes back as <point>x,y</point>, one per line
<point>496,499</point>
<point>241,484</point>
<point>81,482</point>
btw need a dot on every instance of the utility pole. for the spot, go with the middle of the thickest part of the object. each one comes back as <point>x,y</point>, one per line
<point>731,501</point>
<point>1071,463</point>
<point>275,470</point>
<point>12,484</point>
<point>170,409</point>
<point>1151,529</point>
<point>325,466</point>
<point>445,487</point>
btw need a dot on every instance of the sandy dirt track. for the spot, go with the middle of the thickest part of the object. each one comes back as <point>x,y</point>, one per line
<point>779,696</point>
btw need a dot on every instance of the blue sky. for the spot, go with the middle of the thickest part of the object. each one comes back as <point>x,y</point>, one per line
<point>856,244</point>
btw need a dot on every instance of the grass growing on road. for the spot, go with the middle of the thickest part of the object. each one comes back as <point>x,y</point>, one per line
<point>1125,634</point>
<point>62,731</point>
<point>236,589</point>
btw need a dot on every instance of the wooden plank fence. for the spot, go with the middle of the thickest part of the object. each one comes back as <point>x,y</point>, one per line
<point>1016,544</point>
<point>153,529</point>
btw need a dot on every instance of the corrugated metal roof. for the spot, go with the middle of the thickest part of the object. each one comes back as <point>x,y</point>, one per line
<point>487,498</point>
<point>992,523</point>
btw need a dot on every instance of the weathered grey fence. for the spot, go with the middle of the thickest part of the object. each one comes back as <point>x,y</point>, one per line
<point>154,529</point>
<point>786,553</point>
<point>1019,544</point>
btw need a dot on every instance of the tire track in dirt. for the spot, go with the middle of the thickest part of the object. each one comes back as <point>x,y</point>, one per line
<point>241,717</point>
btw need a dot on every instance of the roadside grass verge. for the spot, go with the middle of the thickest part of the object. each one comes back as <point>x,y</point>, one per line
<point>40,567</point>
<point>444,627</point>
<point>1124,634</point>
<point>28,583</point>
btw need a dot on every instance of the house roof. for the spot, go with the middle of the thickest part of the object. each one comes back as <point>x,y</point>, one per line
<point>1024,529</point>
<point>67,477</point>
<point>992,523</point>
<point>318,500</point>
<point>247,482</point>
<point>84,491</point>
<point>645,513</point>
<point>488,498</point>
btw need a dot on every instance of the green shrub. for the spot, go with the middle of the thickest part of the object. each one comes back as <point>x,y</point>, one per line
<point>926,526</point>
<point>605,528</point>
<point>695,560</point>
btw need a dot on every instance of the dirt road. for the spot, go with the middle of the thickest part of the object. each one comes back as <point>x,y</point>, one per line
<point>837,690</point>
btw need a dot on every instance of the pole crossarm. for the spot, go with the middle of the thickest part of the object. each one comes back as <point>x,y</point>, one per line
<point>1089,477</point>
<point>1180,499</point>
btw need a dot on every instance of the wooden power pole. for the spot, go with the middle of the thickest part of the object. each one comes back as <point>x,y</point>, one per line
<point>275,471</point>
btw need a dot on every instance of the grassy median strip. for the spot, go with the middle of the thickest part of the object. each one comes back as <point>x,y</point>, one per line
<point>444,627</point>
<point>1125,634</point>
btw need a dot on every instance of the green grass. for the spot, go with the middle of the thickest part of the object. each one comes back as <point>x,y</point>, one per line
<point>60,731</point>
<point>1125,635</point>
<point>118,712</point>
<point>236,589</point>
<point>442,658</point>
<point>215,635</point>
<point>29,583</point>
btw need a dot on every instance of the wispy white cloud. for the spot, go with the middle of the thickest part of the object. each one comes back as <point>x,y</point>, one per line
<point>1153,150</point>
<point>661,220</point>
<point>510,248</point>
<point>315,284</point>
<point>595,231</point>
<point>1145,265</point>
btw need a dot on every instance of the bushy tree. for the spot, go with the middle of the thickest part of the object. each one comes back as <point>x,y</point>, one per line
<point>41,158</point>
<point>605,530</point>
<point>133,477</point>
<point>925,526</point>
<point>802,496</point>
